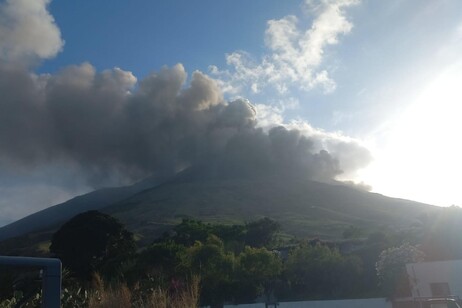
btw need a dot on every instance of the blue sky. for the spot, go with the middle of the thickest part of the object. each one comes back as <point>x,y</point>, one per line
<point>385,74</point>
<point>146,36</point>
<point>392,44</point>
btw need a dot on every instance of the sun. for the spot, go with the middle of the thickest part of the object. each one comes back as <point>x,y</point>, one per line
<point>422,159</point>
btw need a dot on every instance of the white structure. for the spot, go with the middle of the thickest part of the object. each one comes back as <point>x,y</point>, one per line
<point>347,303</point>
<point>435,279</point>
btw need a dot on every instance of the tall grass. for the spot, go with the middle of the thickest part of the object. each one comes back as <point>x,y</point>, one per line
<point>109,297</point>
<point>121,296</point>
<point>186,297</point>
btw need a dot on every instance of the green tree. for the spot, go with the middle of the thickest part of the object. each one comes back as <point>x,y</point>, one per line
<point>162,259</point>
<point>190,231</point>
<point>319,272</point>
<point>92,242</point>
<point>261,233</point>
<point>215,267</point>
<point>369,253</point>
<point>257,270</point>
<point>391,269</point>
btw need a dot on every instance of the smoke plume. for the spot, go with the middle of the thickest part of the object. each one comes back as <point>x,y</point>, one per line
<point>28,31</point>
<point>110,127</point>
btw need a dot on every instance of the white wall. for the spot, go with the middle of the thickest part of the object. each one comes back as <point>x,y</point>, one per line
<point>348,303</point>
<point>424,273</point>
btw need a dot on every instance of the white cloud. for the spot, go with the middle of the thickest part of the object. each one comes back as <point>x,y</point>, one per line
<point>269,116</point>
<point>352,154</point>
<point>28,32</point>
<point>459,31</point>
<point>270,113</point>
<point>295,55</point>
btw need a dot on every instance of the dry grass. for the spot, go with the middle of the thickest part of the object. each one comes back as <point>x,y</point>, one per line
<point>122,297</point>
<point>104,297</point>
<point>112,298</point>
<point>187,297</point>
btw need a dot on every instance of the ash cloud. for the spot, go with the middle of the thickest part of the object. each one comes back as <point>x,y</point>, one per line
<point>108,128</point>
<point>111,128</point>
<point>28,32</point>
<point>67,133</point>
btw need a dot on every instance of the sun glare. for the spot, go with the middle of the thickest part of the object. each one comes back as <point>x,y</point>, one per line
<point>421,158</point>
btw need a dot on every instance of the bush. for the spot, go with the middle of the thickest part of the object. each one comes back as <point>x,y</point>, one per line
<point>92,242</point>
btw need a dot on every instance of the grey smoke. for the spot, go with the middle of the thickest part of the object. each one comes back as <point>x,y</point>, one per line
<point>111,128</point>
<point>28,31</point>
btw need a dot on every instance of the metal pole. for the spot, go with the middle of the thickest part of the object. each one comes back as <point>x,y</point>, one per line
<point>51,277</point>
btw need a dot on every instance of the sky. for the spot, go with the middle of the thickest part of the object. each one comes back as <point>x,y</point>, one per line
<point>368,89</point>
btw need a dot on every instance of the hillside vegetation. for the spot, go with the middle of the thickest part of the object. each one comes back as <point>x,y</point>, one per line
<point>213,264</point>
<point>303,208</point>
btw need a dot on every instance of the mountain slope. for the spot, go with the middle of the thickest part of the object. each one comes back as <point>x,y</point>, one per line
<point>59,213</point>
<point>303,207</point>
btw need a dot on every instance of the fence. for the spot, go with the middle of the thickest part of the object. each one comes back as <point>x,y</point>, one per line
<point>51,276</point>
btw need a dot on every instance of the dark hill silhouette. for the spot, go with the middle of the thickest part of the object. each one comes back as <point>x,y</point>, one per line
<point>60,213</point>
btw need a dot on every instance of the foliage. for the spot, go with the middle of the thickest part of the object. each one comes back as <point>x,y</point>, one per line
<point>228,272</point>
<point>34,301</point>
<point>391,268</point>
<point>235,263</point>
<point>75,297</point>
<point>216,269</point>
<point>369,253</point>
<point>257,233</point>
<point>187,296</point>
<point>91,242</point>
<point>321,272</point>
<point>118,296</point>
<point>7,278</point>
<point>256,271</point>
<point>352,232</point>
<point>189,231</point>
<point>164,259</point>
<point>19,284</point>
<point>261,232</point>
<point>233,236</point>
